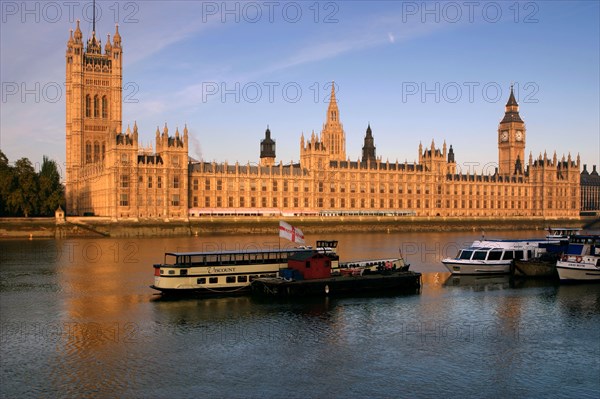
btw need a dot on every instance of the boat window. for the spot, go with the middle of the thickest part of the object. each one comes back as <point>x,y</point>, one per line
<point>230,279</point>
<point>211,259</point>
<point>508,255</point>
<point>171,271</point>
<point>495,255</point>
<point>242,279</point>
<point>196,260</point>
<point>201,280</point>
<point>213,280</point>
<point>518,254</point>
<point>466,254</point>
<point>183,272</point>
<point>253,277</point>
<point>170,260</point>
<point>479,255</point>
<point>575,249</point>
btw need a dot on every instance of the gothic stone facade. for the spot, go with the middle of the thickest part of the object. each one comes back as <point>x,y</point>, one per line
<point>590,191</point>
<point>109,174</point>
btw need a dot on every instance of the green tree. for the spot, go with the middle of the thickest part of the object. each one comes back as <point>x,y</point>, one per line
<point>6,184</point>
<point>23,198</point>
<point>51,193</point>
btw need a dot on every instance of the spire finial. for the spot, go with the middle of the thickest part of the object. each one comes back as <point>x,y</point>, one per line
<point>94,18</point>
<point>511,99</point>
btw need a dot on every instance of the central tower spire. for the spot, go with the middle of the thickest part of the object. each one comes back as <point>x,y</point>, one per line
<point>333,113</point>
<point>332,136</point>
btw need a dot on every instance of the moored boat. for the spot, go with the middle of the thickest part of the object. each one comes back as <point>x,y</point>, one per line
<point>226,272</point>
<point>543,262</point>
<point>312,275</point>
<point>491,256</point>
<point>561,233</point>
<point>581,261</point>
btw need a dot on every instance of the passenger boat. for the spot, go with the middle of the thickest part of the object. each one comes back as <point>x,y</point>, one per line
<point>561,233</point>
<point>581,261</point>
<point>226,272</point>
<point>491,256</point>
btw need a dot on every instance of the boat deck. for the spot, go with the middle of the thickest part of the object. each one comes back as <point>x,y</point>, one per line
<point>400,282</point>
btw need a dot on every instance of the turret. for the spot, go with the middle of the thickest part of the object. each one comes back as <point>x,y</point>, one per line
<point>78,35</point>
<point>107,46</point>
<point>267,149</point>
<point>368,150</point>
<point>451,155</point>
<point>117,37</point>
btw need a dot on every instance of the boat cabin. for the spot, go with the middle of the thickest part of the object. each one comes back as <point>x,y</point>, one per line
<point>584,245</point>
<point>483,253</point>
<point>311,265</point>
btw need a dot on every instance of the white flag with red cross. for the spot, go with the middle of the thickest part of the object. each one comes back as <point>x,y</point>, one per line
<point>291,233</point>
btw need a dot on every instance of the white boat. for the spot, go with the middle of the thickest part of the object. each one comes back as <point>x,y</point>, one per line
<point>581,261</point>
<point>226,272</point>
<point>561,233</point>
<point>491,256</point>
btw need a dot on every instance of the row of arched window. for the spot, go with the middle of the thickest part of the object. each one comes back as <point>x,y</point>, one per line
<point>100,106</point>
<point>96,155</point>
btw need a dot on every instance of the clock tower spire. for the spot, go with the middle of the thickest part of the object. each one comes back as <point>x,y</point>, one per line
<point>511,137</point>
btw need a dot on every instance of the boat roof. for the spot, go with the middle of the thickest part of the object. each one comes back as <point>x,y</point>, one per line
<point>513,240</point>
<point>579,236</point>
<point>249,251</point>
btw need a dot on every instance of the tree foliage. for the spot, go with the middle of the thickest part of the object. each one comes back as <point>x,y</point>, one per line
<point>25,192</point>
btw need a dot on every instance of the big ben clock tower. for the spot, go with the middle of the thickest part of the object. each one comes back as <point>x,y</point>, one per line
<point>511,139</point>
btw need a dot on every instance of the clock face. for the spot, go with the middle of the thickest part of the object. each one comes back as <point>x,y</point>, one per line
<point>504,136</point>
<point>519,135</point>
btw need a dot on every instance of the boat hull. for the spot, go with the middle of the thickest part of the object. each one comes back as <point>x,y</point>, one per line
<point>203,292</point>
<point>535,268</point>
<point>476,268</point>
<point>397,282</point>
<point>572,272</point>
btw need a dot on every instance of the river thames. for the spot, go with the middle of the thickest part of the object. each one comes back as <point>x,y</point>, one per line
<point>78,319</point>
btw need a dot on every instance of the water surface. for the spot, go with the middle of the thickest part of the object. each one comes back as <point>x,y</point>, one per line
<point>78,319</point>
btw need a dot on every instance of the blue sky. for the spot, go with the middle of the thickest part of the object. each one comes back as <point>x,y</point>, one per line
<point>415,71</point>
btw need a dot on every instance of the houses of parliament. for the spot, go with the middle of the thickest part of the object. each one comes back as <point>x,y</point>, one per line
<point>109,174</point>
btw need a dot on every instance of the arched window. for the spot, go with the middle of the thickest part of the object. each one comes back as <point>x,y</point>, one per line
<point>103,150</point>
<point>88,152</point>
<point>96,107</point>
<point>96,151</point>
<point>88,106</point>
<point>104,107</point>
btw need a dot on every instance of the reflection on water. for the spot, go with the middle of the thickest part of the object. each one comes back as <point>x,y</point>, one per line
<point>78,319</point>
